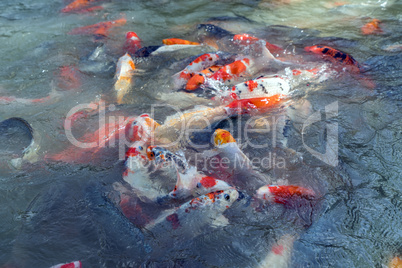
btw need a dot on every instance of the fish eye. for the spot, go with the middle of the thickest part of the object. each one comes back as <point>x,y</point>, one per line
<point>227,197</point>
<point>199,185</point>
<point>140,148</point>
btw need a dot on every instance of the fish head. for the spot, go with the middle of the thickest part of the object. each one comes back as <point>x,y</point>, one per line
<point>222,136</point>
<point>264,193</point>
<point>217,201</point>
<point>142,128</point>
<point>132,36</point>
<point>195,82</point>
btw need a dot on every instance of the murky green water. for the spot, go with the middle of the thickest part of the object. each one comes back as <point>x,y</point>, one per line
<point>56,212</point>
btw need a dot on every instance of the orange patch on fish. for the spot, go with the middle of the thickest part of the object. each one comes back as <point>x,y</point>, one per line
<point>177,41</point>
<point>277,249</point>
<point>195,82</point>
<point>244,106</point>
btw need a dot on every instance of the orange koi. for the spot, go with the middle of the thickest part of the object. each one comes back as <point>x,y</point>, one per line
<point>396,262</point>
<point>283,193</point>
<point>133,43</point>
<point>177,41</point>
<point>335,56</point>
<point>372,27</point>
<point>100,29</point>
<point>253,105</point>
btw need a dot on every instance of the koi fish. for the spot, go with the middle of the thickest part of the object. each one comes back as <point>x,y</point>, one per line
<point>137,174</point>
<point>280,254</point>
<point>283,193</point>
<point>90,144</point>
<point>198,79</point>
<point>372,27</point>
<point>75,264</point>
<point>162,155</point>
<point>69,78</point>
<point>231,158</point>
<point>53,95</point>
<point>200,63</point>
<point>98,29</point>
<point>124,73</point>
<point>81,6</point>
<point>254,105</point>
<point>133,43</point>
<point>261,87</point>
<point>396,262</point>
<point>247,40</point>
<point>335,56</point>
<point>177,41</point>
<point>190,218</point>
<point>142,128</point>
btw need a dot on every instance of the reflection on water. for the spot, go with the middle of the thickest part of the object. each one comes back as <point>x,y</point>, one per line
<point>56,212</point>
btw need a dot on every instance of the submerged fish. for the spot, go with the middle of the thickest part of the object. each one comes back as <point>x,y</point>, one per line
<point>372,27</point>
<point>124,73</point>
<point>280,254</point>
<point>335,56</point>
<point>99,29</point>
<point>81,6</point>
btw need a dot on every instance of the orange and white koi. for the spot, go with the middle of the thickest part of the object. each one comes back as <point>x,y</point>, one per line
<point>124,73</point>
<point>133,43</point>
<point>198,79</point>
<point>192,216</point>
<point>99,29</point>
<point>80,6</point>
<point>283,193</point>
<point>247,40</point>
<point>396,262</point>
<point>335,56</point>
<point>254,105</point>
<point>177,41</point>
<point>372,27</point>
<point>197,65</point>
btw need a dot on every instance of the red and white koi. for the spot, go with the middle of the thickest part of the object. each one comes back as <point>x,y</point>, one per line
<point>74,264</point>
<point>280,254</point>
<point>254,105</point>
<point>195,183</point>
<point>133,43</point>
<point>124,73</point>
<point>283,193</point>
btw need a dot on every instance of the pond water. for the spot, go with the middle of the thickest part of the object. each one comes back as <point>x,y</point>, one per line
<point>61,211</point>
